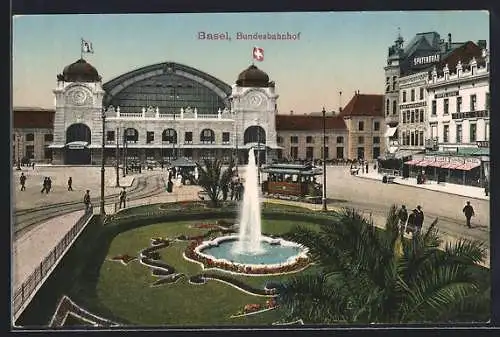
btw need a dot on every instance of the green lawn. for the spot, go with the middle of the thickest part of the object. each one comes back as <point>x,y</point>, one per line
<point>125,291</point>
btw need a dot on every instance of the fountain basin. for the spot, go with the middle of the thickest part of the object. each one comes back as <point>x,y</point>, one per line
<point>278,256</point>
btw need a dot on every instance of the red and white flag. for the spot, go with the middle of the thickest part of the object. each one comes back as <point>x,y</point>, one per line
<point>258,54</point>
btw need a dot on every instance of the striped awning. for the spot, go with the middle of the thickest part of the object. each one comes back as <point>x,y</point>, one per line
<point>452,165</point>
<point>425,163</point>
<point>468,166</point>
<point>437,163</point>
<point>413,162</point>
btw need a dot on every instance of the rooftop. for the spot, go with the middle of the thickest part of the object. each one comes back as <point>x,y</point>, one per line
<point>364,105</point>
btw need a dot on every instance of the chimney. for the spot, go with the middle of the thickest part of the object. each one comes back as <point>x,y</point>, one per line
<point>340,109</point>
<point>449,39</point>
<point>481,44</point>
<point>291,112</point>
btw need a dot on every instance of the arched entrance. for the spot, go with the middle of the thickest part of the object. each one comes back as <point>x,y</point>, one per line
<point>78,137</point>
<point>256,135</point>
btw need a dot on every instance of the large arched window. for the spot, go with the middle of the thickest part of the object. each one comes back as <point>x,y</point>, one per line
<point>207,136</point>
<point>78,132</point>
<point>131,135</point>
<point>254,134</point>
<point>169,136</point>
<point>394,107</point>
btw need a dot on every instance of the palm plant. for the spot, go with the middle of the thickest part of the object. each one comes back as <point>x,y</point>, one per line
<point>377,276</point>
<point>213,180</point>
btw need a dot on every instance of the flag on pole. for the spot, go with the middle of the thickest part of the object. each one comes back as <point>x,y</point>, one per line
<point>87,47</point>
<point>258,54</point>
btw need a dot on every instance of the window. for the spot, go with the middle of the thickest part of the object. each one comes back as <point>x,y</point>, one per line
<point>150,137</point>
<point>110,136</point>
<point>421,96</point>
<point>279,139</point>
<point>412,116</point>
<point>361,140</point>
<point>326,152</point>
<point>376,126</point>
<point>394,107</point>
<point>412,139</point>
<point>434,108</point>
<point>404,96</point>
<point>487,101</point>
<point>473,102</point>
<point>487,131</point>
<point>30,152</point>
<point>473,133</point>
<point>361,153</point>
<point>412,95</point>
<point>207,136</point>
<point>294,152</point>
<point>459,104</point>
<point>421,138</point>
<point>225,138</point>
<point>394,81</point>
<point>326,139</point>
<point>279,153</point>
<point>446,108</point>
<point>188,153</point>
<point>376,140</point>
<point>340,152</point>
<point>446,133</point>
<point>294,139</point>
<point>188,137</point>
<point>404,117</point>
<point>387,107</point>
<point>376,152</point>
<point>387,84</point>
<point>30,137</point>
<point>421,115</point>
<point>47,153</point>
<point>309,139</point>
<point>340,140</point>
<point>170,136</point>
<point>407,138</point>
<point>459,133</point>
<point>309,152</point>
<point>361,125</point>
<point>48,137</point>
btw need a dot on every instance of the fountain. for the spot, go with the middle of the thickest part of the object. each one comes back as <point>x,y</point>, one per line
<point>250,252</point>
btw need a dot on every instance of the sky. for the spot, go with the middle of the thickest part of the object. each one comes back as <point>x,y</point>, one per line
<point>337,51</point>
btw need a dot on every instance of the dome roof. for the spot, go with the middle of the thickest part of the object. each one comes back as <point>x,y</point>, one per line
<point>79,71</point>
<point>253,77</point>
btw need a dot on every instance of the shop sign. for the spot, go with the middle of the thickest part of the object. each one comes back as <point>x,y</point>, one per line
<point>412,105</point>
<point>473,160</point>
<point>456,160</point>
<point>442,159</point>
<point>426,59</point>
<point>446,94</point>
<point>483,143</point>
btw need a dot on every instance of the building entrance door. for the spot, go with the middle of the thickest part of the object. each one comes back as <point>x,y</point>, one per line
<point>78,137</point>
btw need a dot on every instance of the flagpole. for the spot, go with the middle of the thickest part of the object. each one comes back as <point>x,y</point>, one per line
<point>81,48</point>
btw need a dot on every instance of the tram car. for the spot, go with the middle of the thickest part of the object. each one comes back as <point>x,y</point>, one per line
<point>292,181</point>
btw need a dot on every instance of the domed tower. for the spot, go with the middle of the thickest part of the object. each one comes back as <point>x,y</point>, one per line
<point>253,102</point>
<point>77,121</point>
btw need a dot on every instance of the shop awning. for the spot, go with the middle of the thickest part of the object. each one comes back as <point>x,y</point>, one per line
<point>451,165</point>
<point>413,162</point>
<point>424,163</point>
<point>391,131</point>
<point>437,163</point>
<point>78,145</point>
<point>468,166</point>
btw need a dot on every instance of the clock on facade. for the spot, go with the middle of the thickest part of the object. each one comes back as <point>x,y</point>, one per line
<point>78,97</point>
<point>255,100</point>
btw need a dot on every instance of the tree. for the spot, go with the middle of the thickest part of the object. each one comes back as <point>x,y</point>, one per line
<point>213,180</point>
<point>377,276</point>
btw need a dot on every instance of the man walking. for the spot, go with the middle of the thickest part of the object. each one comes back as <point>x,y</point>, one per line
<point>123,198</point>
<point>86,200</point>
<point>403,217</point>
<point>419,219</point>
<point>70,183</point>
<point>44,186</point>
<point>49,185</point>
<point>22,181</point>
<point>469,212</point>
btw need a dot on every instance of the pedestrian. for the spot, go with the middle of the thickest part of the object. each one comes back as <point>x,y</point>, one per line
<point>49,185</point>
<point>231,190</point>
<point>469,212</point>
<point>419,218</point>
<point>403,217</point>
<point>86,201</point>
<point>410,224</point>
<point>224,192</point>
<point>366,167</point>
<point>22,181</point>
<point>486,187</point>
<point>123,198</point>
<point>44,185</point>
<point>70,184</point>
<point>170,186</point>
<point>33,165</point>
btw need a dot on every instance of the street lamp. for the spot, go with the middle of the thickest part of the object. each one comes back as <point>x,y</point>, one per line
<point>324,161</point>
<point>103,116</point>
<point>18,155</point>
<point>117,155</point>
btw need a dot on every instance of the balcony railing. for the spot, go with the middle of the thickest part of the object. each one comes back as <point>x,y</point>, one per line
<point>471,114</point>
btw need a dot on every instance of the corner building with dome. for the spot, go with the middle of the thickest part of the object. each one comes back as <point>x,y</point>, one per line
<point>161,112</point>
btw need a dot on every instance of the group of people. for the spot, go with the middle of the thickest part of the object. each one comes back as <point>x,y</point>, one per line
<point>88,204</point>
<point>414,221</point>
<point>46,184</point>
<point>363,166</point>
<point>235,190</point>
